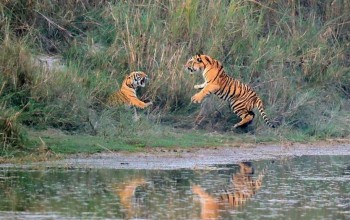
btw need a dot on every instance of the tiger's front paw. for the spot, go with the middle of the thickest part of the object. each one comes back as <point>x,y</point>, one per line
<point>145,105</point>
<point>198,87</point>
<point>196,99</point>
<point>148,104</point>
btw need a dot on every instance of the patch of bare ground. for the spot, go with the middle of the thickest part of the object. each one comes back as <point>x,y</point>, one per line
<point>202,158</point>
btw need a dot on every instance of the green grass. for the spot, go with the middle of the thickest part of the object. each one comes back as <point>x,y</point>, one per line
<point>60,143</point>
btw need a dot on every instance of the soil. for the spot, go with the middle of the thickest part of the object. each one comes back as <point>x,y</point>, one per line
<point>200,158</point>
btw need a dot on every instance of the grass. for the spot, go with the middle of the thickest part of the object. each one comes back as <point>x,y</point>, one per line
<point>68,144</point>
<point>294,55</point>
<point>173,139</point>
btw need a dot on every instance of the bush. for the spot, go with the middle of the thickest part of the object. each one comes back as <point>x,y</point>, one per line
<point>12,136</point>
<point>295,56</point>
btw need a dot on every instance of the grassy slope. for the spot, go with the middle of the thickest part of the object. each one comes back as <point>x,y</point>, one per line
<point>296,56</point>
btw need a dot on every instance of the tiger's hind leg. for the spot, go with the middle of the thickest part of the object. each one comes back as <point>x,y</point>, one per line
<point>246,117</point>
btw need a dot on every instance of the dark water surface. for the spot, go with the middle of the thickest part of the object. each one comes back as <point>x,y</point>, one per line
<point>306,187</point>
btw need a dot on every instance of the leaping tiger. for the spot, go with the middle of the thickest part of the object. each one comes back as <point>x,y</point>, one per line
<point>241,97</point>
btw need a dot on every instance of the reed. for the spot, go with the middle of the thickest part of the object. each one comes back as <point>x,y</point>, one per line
<point>295,54</point>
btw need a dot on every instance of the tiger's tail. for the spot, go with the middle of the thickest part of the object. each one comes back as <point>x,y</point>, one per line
<point>260,107</point>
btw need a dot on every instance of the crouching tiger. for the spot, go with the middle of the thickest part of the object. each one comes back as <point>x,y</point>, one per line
<point>127,93</point>
<point>241,97</point>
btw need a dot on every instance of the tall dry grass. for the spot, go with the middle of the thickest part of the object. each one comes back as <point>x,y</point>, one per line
<point>295,54</point>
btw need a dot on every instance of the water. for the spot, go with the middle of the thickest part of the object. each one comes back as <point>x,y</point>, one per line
<point>306,187</point>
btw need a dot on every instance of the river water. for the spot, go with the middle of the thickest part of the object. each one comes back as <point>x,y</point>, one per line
<point>299,187</point>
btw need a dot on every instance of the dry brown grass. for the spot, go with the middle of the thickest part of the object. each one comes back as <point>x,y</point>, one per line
<point>294,54</point>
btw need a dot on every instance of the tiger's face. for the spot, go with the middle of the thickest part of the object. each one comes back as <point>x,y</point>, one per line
<point>195,63</point>
<point>138,79</point>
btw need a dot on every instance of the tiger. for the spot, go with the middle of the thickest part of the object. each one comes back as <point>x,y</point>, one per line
<point>126,194</point>
<point>242,187</point>
<point>127,93</point>
<point>241,97</point>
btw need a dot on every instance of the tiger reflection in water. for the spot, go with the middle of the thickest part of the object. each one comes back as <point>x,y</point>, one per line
<point>126,193</point>
<point>242,187</point>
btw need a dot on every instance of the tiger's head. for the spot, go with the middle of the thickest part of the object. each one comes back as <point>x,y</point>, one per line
<point>137,79</point>
<point>198,62</point>
<point>246,168</point>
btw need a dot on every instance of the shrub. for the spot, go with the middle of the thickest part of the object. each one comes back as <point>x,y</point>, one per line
<point>295,56</point>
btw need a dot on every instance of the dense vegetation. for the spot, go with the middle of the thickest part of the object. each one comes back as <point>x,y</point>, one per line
<point>295,54</point>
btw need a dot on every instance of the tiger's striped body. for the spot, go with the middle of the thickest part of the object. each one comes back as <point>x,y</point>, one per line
<point>241,97</point>
<point>127,93</point>
<point>242,187</point>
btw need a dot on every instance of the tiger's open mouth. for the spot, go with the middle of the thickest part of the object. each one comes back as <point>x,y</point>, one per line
<point>190,69</point>
<point>143,82</point>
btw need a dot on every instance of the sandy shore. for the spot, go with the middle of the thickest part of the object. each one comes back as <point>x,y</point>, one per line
<point>192,158</point>
<point>199,158</point>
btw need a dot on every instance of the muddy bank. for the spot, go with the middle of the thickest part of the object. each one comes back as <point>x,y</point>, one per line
<point>200,158</point>
<point>193,158</point>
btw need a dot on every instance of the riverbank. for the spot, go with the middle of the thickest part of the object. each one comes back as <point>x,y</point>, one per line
<point>195,158</point>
